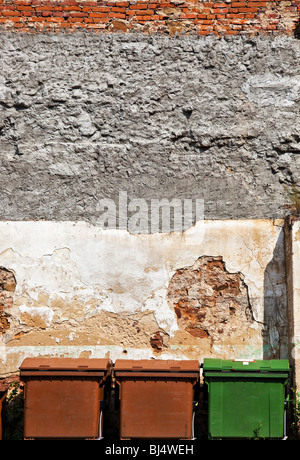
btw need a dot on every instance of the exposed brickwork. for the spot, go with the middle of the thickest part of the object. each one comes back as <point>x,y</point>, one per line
<point>177,16</point>
<point>156,341</point>
<point>7,288</point>
<point>209,302</point>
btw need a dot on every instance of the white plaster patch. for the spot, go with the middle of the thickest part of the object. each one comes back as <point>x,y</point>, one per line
<point>165,317</point>
<point>273,90</point>
<point>45,313</point>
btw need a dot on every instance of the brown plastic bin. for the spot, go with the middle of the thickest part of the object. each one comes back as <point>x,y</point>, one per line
<point>3,393</point>
<point>63,397</point>
<point>156,398</point>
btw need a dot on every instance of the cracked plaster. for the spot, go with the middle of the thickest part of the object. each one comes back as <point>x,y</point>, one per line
<point>81,288</point>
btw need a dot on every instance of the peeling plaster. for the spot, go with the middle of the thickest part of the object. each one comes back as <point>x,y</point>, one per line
<point>70,274</point>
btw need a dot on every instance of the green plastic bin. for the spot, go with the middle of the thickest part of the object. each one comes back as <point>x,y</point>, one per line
<point>246,399</point>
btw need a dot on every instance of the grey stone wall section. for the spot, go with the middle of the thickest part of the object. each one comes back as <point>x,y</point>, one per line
<point>84,116</point>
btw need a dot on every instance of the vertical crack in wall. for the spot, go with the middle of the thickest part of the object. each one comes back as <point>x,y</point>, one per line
<point>211,303</point>
<point>7,289</point>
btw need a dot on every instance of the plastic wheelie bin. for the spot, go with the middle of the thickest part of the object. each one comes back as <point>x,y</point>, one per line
<point>156,398</point>
<point>63,397</point>
<point>3,392</point>
<point>246,399</point>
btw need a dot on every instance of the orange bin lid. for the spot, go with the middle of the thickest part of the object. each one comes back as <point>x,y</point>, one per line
<point>127,367</point>
<point>74,366</point>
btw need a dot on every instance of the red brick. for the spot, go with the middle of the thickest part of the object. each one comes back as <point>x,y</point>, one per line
<point>8,7</point>
<point>79,14</point>
<point>139,6</point>
<point>118,10</point>
<point>72,8</point>
<point>102,9</point>
<point>188,16</point>
<point>43,8</point>
<point>66,2</point>
<point>60,14</point>
<point>117,15</point>
<point>232,16</point>
<point>25,8</point>
<point>256,4</point>
<point>144,12</point>
<point>75,19</point>
<point>57,20</point>
<point>247,10</point>
<point>11,13</point>
<point>98,15</point>
<point>219,10</point>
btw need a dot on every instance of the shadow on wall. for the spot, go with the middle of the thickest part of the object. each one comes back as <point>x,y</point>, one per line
<point>275,335</point>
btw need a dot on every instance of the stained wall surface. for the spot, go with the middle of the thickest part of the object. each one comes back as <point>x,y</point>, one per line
<point>217,289</point>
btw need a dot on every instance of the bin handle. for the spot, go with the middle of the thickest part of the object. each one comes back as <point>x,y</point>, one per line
<point>193,424</point>
<point>100,427</point>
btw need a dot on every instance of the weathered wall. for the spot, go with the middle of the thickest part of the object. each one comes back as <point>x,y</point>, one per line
<point>85,116</point>
<point>217,289</point>
<point>157,110</point>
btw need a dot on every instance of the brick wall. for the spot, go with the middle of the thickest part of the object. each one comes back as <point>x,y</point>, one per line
<point>178,16</point>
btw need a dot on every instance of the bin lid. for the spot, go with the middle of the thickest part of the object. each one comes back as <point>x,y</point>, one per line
<point>157,367</point>
<point>33,365</point>
<point>238,365</point>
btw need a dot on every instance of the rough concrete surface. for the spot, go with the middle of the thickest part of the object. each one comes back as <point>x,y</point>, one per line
<point>85,116</point>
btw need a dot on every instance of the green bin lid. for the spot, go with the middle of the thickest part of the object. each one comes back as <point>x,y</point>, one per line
<point>223,365</point>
